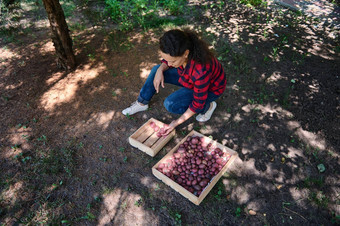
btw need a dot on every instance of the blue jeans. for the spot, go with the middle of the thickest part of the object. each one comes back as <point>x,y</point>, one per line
<point>177,102</point>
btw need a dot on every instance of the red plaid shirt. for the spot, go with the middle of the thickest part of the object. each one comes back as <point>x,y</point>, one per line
<point>202,79</point>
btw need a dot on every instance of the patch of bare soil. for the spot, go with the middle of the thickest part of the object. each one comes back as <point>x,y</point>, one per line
<point>65,157</point>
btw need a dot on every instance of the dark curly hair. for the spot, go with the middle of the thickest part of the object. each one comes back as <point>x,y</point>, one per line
<point>175,42</point>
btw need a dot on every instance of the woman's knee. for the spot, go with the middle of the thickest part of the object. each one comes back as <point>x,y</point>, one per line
<point>168,104</point>
<point>173,106</point>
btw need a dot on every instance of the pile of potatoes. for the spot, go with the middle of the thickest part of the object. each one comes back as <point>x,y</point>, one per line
<point>194,164</point>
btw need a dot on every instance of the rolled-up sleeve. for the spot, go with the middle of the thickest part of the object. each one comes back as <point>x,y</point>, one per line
<point>166,62</point>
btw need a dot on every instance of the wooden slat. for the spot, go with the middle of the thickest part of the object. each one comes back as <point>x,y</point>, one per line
<point>138,133</point>
<point>162,140</point>
<point>142,147</point>
<point>151,140</point>
<point>141,129</point>
<point>145,135</point>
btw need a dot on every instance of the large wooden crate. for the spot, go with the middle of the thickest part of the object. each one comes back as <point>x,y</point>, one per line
<point>193,198</point>
<point>145,139</point>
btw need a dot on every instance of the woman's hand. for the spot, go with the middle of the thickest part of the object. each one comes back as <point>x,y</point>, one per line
<point>169,128</point>
<point>158,80</point>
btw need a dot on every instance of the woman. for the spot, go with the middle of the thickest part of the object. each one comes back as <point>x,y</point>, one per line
<point>188,63</point>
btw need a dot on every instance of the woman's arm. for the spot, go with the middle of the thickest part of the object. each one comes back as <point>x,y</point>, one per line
<point>159,77</point>
<point>186,115</point>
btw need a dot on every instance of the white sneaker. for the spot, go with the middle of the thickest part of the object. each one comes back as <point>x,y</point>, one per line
<point>134,108</point>
<point>205,117</point>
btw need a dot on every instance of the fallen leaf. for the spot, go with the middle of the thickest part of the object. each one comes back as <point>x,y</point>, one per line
<point>252,212</point>
<point>283,159</point>
<point>321,168</point>
<point>279,187</point>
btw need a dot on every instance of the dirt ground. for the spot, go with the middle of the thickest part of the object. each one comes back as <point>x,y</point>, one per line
<point>65,156</point>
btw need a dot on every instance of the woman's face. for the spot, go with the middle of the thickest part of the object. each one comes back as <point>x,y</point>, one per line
<point>176,61</point>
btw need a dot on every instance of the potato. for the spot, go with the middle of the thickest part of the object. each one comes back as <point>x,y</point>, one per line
<point>201,171</point>
<point>201,166</point>
<point>175,172</point>
<point>181,150</point>
<point>194,140</point>
<point>203,183</point>
<point>152,124</point>
<point>177,155</point>
<point>197,187</point>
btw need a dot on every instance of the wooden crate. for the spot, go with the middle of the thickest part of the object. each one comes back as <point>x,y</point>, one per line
<point>193,198</point>
<point>145,139</point>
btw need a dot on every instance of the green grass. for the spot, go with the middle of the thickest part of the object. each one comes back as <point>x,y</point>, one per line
<point>144,14</point>
<point>69,7</point>
<point>319,198</point>
<point>176,215</point>
<point>118,41</point>
<point>77,26</point>
<point>252,2</point>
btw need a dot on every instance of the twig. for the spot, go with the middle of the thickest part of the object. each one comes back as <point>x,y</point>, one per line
<point>285,214</point>
<point>295,213</point>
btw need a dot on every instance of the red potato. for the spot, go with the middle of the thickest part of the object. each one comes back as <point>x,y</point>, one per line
<point>152,124</point>
<point>181,150</point>
<point>201,166</point>
<point>197,187</point>
<point>177,155</point>
<point>156,128</point>
<point>194,141</point>
<point>175,172</point>
<point>219,161</point>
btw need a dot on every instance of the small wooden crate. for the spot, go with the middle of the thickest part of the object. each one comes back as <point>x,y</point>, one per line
<point>145,139</point>
<point>196,200</point>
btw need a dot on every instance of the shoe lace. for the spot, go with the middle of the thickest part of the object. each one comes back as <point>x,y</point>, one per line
<point>203,116</point>
<point>134,104</point>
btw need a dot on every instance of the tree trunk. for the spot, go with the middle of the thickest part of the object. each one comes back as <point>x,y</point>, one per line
<point>60,34</point>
